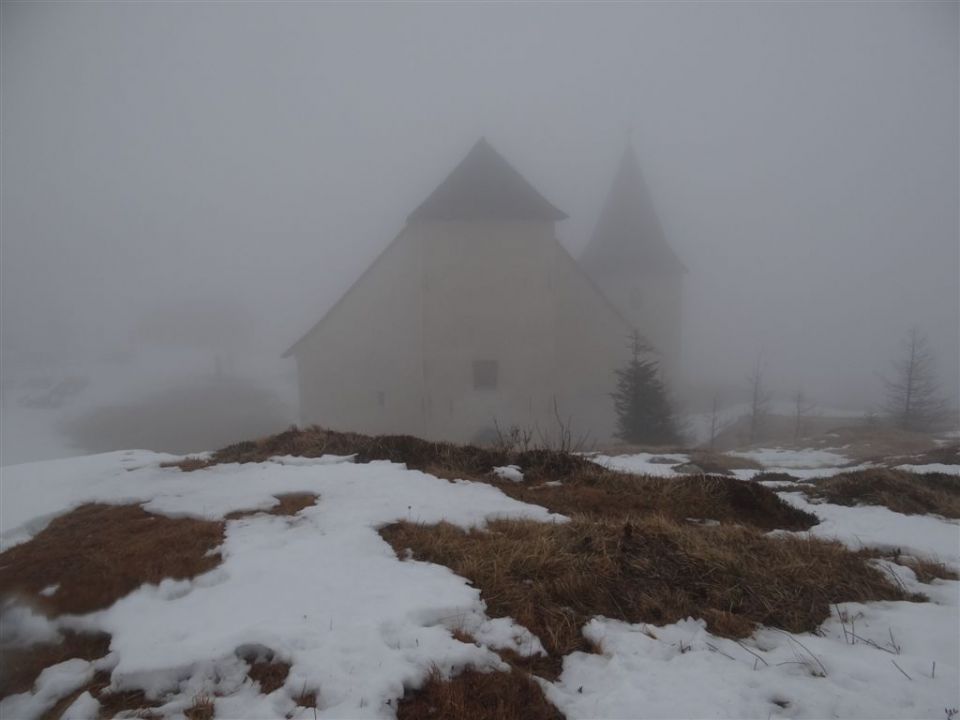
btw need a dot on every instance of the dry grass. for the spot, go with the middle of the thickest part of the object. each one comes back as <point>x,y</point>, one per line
<point>720,464</point>
<point>441,458</point>
<point>22,665</point>
<point>288,505</point>
<point>99,553</point>
<point>473,695</point>
<point>606,495</point>
<point>269,674</point>
<point>201,709</point>
<point>925,569</point>
<point>551,578</point>
<point>942,455</point>
<point>902,492</point>
<point>588,488</point>
<point>863,443</point>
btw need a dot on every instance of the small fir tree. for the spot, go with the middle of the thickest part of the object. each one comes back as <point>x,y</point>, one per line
<point>644,415</point>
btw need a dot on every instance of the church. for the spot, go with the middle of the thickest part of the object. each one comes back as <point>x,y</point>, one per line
<point>475,317</point>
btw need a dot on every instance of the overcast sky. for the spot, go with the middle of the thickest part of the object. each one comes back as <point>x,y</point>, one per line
<point>803,156</point>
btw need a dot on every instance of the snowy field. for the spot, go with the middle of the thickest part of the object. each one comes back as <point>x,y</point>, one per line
<point>326,593</point>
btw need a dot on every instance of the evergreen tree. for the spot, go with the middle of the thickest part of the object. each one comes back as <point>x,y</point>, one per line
<point>644,415</point>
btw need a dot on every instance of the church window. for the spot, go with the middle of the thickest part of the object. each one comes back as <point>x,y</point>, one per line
<point>381,398</point>
<point>485,374</point>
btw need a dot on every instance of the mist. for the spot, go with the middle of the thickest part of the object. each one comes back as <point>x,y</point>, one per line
<point>188,188</point>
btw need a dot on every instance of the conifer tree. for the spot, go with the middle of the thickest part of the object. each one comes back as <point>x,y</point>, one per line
<point>644,415</point>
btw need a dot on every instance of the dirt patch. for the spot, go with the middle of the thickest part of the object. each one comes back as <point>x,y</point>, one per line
<point>96,554</point>
<point>473,695</point>
<point>901,491</point>
<point>288,505</point>
<point>552,578</point>
<point>606,495</point>
<point>23,665</point>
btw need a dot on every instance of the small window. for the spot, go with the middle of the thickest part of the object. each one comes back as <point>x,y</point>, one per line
<point>485,374</point>
<point>381,398</point>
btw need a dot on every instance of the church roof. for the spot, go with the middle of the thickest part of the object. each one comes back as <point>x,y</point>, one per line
<point>485,187</point>
<point>629,232</point>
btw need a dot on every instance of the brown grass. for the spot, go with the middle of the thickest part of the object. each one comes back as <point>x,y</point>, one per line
<point>99,553</point>
<point>720,464</point>
<point>925,569</point>
<point>588,488</point>
<point>269,674</point>
<point>902,492</point>
<point>201,709</point>
<point>445,459</point>
<point>306,698</point>
<point>22,665</point>
<point>289,505</point>
<point>605,495</point>
<point>473,695</point>
<point>865,442</point>
<point>551,578</point>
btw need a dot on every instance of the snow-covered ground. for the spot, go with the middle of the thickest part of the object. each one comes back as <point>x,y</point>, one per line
<point>642,463</point>
<point>326,593</point>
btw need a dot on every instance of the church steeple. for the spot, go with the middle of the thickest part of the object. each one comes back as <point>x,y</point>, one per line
<point>628,230</point>
<point>629,258</point>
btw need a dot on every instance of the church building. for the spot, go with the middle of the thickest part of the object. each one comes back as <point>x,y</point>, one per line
<point>475,316</point>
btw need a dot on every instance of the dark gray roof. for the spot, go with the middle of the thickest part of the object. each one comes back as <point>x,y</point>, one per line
<point>629,233</point>
<point>485,187</point>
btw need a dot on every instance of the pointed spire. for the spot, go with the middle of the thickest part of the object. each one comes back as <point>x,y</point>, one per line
<point>628,230</point>
<point>483,187</point>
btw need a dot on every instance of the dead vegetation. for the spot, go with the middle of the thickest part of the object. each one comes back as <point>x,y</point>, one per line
<point>611,496</point>
<point>288,505</point>
<point>925,569</point>
<point>265,668</point>
<point>474,695</point>
<point>900,491</point>
<point>23,665</point>
<point>202,708</point>
<point>96,554</point>
<point>587,488</point>
<point>552,578</point>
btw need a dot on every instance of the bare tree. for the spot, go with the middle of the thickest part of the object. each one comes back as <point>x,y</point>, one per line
<point>759,399</point>
<point>801,411</point>
<point>913,398</point>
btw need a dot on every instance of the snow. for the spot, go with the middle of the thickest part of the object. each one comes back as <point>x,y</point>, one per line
<point>53,683</point>
<point>85,707</point>
<point>781,458</point>
<point>931,468</point>
<point>509,472</point>
<point>876,526</point>
<point>772,673</point>
<point>323,591</point>
<point>640,463</point>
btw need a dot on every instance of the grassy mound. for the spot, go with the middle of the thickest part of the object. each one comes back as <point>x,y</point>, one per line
<point>902,492</point>
<point>552,578</point>
<point>587,488</point>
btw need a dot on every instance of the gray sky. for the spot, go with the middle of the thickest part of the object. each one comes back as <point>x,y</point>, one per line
<point>803,156</point>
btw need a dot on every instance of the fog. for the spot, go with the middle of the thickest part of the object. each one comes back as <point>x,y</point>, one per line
<point>212,177</point>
